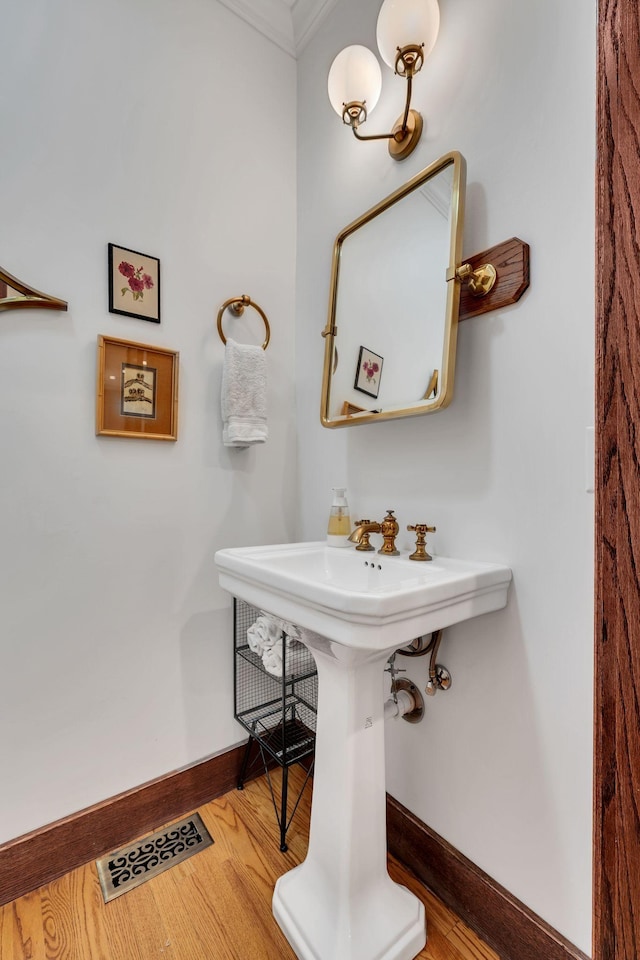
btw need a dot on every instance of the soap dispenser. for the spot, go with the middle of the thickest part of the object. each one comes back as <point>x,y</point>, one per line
<point>339,520</point>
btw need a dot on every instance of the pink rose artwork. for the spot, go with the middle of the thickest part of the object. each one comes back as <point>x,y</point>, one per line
<point>370,368</point>
<point>137,279</point>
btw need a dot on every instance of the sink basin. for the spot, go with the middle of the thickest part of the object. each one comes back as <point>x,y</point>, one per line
<point>354,609</point>
<point>362,599</point>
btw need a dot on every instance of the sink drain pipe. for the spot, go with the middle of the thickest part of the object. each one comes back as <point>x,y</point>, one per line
<point>405,701</point>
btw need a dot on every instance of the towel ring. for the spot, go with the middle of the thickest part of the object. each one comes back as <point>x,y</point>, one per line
<point>237,305</point>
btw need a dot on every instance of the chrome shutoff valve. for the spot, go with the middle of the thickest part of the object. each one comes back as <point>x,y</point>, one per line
<point>440,680</point>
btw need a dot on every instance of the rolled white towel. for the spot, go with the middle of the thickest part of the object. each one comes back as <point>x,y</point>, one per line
<point>291,631</point>
<point>297,659</point>
<point>272,659</point>
<point>262,634</point>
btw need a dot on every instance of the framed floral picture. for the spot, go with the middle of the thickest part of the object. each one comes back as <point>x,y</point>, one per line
<point>137,390</point>
<point>368,372</point>
<point>134,284</point>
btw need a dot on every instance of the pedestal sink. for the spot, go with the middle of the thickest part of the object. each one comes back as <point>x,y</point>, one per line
<point>354,609</point>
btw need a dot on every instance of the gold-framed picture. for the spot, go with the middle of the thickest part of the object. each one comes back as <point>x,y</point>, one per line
<point>137,390</point>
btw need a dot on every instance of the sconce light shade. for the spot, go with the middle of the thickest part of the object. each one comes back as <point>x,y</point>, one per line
<point>405,22</point>
<point>354,77</point>
<point>407,31</point>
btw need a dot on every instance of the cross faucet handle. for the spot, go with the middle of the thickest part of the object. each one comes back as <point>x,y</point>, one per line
<point>421,530</point>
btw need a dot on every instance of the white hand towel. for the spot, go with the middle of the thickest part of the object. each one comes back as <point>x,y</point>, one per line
<point>244,395</point>
<point>262,634</point>
<point>291,631</point>
<point>297,659</point>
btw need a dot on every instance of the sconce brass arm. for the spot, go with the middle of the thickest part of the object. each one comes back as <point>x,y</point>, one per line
<point>407,130</point>
<point>355,119</point>
<point>407,103</point>
<point>372,136</point>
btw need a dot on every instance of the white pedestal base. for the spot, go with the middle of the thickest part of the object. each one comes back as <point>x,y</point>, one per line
<point>385,924</point>
<point>341,904</point>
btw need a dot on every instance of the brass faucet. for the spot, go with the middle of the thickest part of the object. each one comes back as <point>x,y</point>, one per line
<point>388,528</point>
<point>360,535</point>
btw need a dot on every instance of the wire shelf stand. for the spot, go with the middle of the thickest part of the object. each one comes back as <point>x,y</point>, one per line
<point>277,709</point>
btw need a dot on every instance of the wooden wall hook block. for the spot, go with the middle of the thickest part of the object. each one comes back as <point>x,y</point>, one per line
<point>16,295</point>
<point>511,260</point>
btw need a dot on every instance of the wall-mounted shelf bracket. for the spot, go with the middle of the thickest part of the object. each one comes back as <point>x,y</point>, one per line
<point>16,295</point>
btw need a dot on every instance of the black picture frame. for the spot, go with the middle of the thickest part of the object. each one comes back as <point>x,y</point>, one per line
<point>368,372</point>
<point>132,277</point>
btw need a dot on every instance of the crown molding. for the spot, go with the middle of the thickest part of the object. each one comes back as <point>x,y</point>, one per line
<point>272,18</point>
<point>307,17</point>
<point>289,24</point>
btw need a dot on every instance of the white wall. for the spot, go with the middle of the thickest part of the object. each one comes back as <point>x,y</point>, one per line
<point>131,123</point>
<point>501,765</point>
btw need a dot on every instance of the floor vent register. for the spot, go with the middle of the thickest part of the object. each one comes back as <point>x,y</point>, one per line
<point>141,860</point>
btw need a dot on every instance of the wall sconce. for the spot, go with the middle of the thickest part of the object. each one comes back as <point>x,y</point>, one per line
<point>406,33</point>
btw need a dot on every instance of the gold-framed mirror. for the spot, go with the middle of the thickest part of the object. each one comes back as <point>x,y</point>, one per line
<point>390,338</point>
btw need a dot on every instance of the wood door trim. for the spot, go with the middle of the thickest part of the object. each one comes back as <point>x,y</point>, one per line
<point>616,910</point>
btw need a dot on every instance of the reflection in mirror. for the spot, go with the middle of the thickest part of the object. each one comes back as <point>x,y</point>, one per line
<point>391,334</point>
<point>14,294</point>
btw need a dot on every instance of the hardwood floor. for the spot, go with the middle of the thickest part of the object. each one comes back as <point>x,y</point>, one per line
<point>216,905</point>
